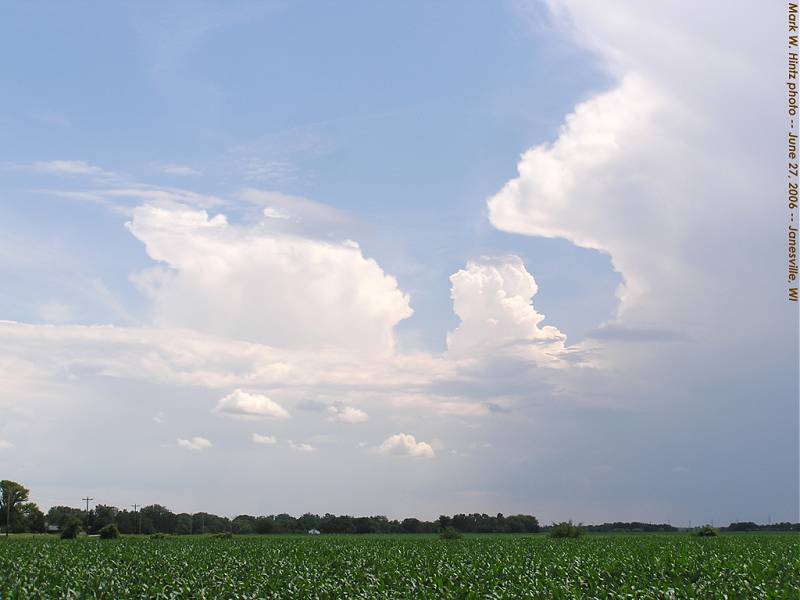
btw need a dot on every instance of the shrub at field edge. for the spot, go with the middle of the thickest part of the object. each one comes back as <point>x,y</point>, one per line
<point>706,531</point>
<point>109,532</point>
<point>450,533</point>
<point>565,529</point>
<point>71,529</point>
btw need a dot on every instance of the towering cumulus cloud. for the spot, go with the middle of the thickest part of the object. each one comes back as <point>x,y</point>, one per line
<point>276,289</point>
<point>660,171</point>
<point>492,297</point>
<point>581,186</point>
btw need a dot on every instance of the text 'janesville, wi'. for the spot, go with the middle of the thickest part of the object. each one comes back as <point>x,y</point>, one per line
<point>792,151</point>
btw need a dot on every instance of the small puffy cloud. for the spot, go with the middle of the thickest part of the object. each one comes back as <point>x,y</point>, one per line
<point>4,444</point>
<point>301,447</point>
<point>267,440</point>
<point>347,414</point>
<point>492,297</point>
<point>195,443</point>
<point>159,418</point>
<point>245,405</point>
<point>406,444</point>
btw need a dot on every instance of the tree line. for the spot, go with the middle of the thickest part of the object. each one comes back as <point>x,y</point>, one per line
<point>632,527</point>
<point>19,515</point>
<point>159,519</point>
<point>750,526</point>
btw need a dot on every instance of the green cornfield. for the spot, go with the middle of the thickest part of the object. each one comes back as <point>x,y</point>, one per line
<point>743,566</point>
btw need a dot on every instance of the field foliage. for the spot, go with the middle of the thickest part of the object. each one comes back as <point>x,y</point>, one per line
<point>746,566</point>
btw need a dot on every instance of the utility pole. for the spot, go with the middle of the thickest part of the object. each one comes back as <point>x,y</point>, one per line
<point>136,508</point>
<point>87,500</point>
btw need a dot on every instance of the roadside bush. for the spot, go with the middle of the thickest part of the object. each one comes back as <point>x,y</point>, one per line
<point>225,535</point>
<point>565,530</point>
<point>71,529</point>
<point>109,532</point>
<point>706,531</point>
<point>157,536</point>
<point>449,533</point>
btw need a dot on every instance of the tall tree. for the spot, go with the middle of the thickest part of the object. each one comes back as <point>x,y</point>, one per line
<point>11,495</point>
<point>104,515</point>
<point>61,515</point>
<point>32,518</point>
<point>183,524</point>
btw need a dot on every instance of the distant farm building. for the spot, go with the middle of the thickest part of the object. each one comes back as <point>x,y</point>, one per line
<point>313,532</point>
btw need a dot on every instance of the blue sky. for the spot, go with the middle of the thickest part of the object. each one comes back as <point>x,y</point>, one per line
<point>420,164</point>
<point>408,137</point>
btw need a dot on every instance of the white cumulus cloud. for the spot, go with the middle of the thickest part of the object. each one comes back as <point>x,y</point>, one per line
<point>267,440</point>
<point>301,447</point>
<point>195,443</point>
<point>347,414</point>
<point>249,283</point>
<point>248,405</point>
<point>634,171</point>
<point>406,444</point>
<point>492,297</point>
<point>577,187</point>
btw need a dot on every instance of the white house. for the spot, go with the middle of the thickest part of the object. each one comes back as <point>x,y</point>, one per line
<point>313,532</point>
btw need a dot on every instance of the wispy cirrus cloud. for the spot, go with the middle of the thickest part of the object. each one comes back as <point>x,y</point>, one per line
<point>280,205</point>
<point>80,170</point>
<point>62,167</point>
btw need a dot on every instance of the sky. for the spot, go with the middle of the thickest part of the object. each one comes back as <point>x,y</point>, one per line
<point>406,259</point>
